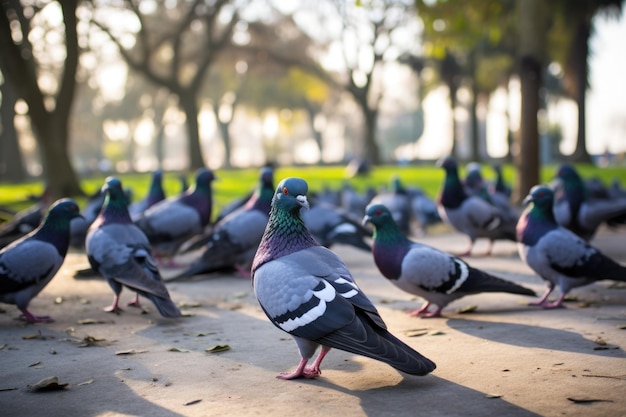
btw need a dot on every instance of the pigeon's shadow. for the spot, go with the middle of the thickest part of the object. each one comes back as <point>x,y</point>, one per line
<point>413,395</point>
<point>526,335</point>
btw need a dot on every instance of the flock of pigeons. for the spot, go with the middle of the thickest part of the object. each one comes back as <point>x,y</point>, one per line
<point>275,236</point>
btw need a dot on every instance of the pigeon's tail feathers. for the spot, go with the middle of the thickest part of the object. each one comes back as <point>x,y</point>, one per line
<point>166,307</point>
<point>482,282</point>
<point>363,337</point>
<point>614,271</point>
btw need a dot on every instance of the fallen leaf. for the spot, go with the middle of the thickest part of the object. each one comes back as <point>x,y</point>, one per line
<point>600,341</point>
<point>87,382</point>
<point>493,396</point>
<point>468,309</point>
<point>217,349</point>
<point>34,364</point>
<point>58,300</point>
<point>416,332</point>
<point>191,304</point>
<point>47,384</point>
<point>437,333</point>
<point>586,400</point>
<point>8,389</point>
<point>91,321</point>
<point>192,402</point>
<point>129,352</point>
<point>90,341</point>
<point>37,335</point>
<point>622,327</point>
<point>176,349</point>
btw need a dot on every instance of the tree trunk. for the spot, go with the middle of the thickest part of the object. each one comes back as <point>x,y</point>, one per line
<point>531,51</point>
<point>60,176</point>
<point>11,164</point>
<point>224,128</point>
<point>317,135</point>
<point>190,107</point>
<point>452,90</point>
<point>370,149</point>
<point>580,74</point>
<point>474,148</point>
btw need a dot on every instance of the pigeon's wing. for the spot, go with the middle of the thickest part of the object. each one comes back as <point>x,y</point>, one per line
<point>313,299</point>
<point>568,254</point>
<point>433,270</point>
<point>169,219</point>
<point>481,214</point>
<point>17,269</point>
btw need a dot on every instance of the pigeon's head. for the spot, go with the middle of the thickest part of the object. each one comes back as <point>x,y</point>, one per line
<point>448,164</point>
<point>290,194</point>
<point>267,176</point>
<point>204,177</point>
<point>541,196</point>
<point>114,191</point>
<point>65,209</point>
<point>568,176</point>
<point>377,214</point>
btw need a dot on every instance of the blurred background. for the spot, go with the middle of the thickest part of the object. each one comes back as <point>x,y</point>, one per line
<point>100,86</point>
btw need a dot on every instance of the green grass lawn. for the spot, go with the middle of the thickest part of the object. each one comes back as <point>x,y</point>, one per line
<point>233,183</point>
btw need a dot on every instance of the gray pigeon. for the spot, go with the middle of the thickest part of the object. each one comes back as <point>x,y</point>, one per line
<point>575,210</point>
<point>427,272</point>
<point>555,253</point>
<point>398,201</point>
<point>155,194</point>
<point>471,215</point>
<point>234,239</point>
<point>331,225</point>
<point>26,220</point>
<point>121,253</point>
<point>28,264</point>
<point>171,222</point>
<point>308,292</point>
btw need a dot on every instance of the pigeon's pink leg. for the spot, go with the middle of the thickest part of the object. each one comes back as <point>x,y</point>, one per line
<point>244,272</point>
<point>489,248</point>
<point>114,308</point>
<point>135,302</point>
<point>544,297</point>
<point>298,373</point>
<point>557,304</point>
<point>468,251</point>
<point>420,311</point>
<point>31,318</point>
<point>314,371</point>
<point>436,313</point>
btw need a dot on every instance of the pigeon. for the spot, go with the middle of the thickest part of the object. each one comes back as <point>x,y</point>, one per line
<point>28,264</point>
<point>424,210</point>
<point>471,215</point>
<point>155,194</point>
<point>120,252</point>
<point>171,222</point>
<point>398,202</point>
<point>235,239</point>
<point>26,220</point>
<point>576,211</point>
<point>500,186</point>
<point>332,225</point>
<point>307,291</point>
<point>555,253</point>
<point>427,272</point>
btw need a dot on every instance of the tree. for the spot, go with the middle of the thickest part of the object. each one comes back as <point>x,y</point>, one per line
<point>34,69</point>
<point>174,46</point>
<point>11,164</point>
<point>574,20</point>
<point>532,28</point>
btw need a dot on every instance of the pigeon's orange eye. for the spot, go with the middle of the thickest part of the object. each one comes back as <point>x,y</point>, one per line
<point>285,190</point>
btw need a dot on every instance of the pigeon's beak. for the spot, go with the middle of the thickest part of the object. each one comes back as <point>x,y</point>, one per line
<point>365,220</point>
<point>526,201</point>
<point>303,201</point>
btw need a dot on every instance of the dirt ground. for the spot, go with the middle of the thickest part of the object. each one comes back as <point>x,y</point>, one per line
<point>500,358</point>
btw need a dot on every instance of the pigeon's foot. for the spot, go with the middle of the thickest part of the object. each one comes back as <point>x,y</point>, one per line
<point>311,372</point>
<point>420,311</point>
<point>113,309</point>
<point>551,306</point>
<point>135,302</point>
<point>31,318</point>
